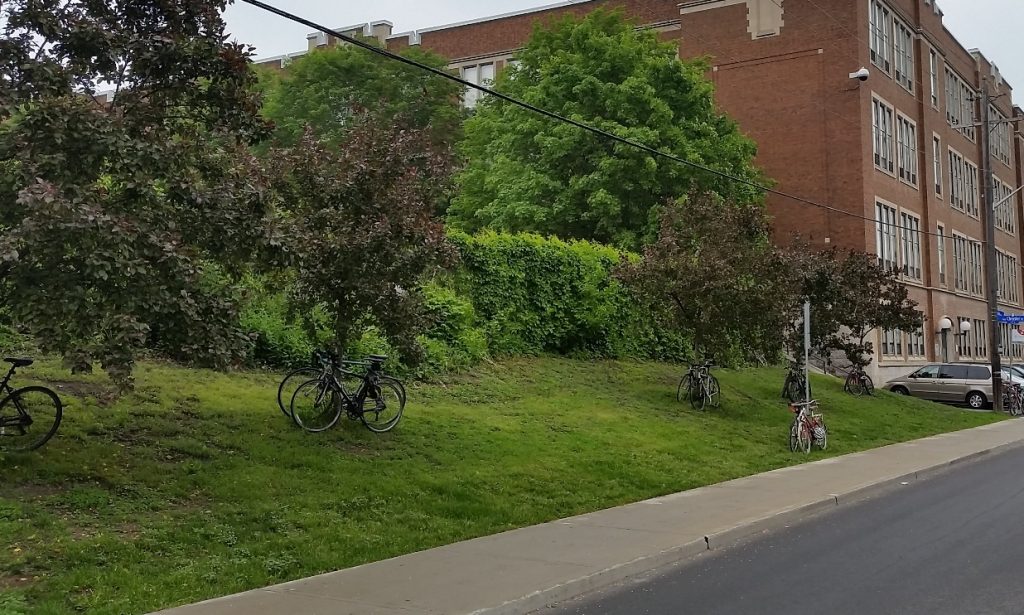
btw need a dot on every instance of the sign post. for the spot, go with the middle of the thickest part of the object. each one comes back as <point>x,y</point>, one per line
<point>1016,322</point>
<point>807,351</point>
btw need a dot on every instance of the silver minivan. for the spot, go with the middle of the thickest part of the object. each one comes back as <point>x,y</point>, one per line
<point>952,383</point>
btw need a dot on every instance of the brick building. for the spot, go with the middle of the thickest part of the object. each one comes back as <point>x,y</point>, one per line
<point>899,150</point>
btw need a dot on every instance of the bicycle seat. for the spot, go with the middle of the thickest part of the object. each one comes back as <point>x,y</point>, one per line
<point>19,362</point>
<point>376,358</point>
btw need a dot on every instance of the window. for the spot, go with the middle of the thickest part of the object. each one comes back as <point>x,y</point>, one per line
<point>1006,208</point>
<point>965,342</point>
<point>959,104</point>
<point>892,344</point>
<point>911,235</point>
<point>883,132</point>
<point>907,150</point>
<point>971,193</point>
<point>977,372</point>
<point>885,236</point>
<point>1000,136</point>
<point>957,173</point>
<point>961,271</point>
<point>1006,272</point>
<point>941,241</point>
<point>881,35</point>
<point>915,343</point>
<point>976,268</point>
<point>480,74</point>
<point>904,49</point>
<point>933,66</point>
<point>937,170</point>
<point>980,335</point>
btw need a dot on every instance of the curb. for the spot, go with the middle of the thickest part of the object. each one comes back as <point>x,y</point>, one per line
<point>575,588</point>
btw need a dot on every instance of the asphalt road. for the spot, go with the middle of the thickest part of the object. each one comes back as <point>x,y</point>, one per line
<point>949,545</point>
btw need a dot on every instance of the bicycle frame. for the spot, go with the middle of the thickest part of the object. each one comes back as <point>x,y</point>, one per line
<point>330,378</point>
<point>23,419</point>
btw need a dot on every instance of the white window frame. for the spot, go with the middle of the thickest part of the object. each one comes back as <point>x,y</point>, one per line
<point>903,54</point>
<point>960,99</point>
<point>1006,213</point>
<point>916,348</point>
<point>881,35</point>
<point>961,267</point>
<point>933,66</point>
<point>976,261</point>
<point>886,235</point>
<point>910,237</point>
<point>937,155</point>
<point>892,344</point>
<point>940,242</point>
<point>474,73</point>
<point>883,131</point>
<point>1001,145</point>
<point>957,180</point>
<point>906,149</point>
<point>972,192</point>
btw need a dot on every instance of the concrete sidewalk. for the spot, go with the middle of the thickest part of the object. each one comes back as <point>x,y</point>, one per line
<point>527,569</point>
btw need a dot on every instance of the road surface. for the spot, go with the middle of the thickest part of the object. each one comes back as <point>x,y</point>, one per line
<point>951,545</point>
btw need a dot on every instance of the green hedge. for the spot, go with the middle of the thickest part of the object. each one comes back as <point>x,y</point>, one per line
<point>536,295</point>
<point>510,295</point>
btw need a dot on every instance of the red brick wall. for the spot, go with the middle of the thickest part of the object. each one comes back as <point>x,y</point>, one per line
<point>504,35</point>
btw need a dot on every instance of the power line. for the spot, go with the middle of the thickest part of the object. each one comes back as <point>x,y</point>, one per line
<point>560,118</point>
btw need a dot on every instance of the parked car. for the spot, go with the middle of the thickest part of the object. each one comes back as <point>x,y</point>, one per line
<point>952,383</point>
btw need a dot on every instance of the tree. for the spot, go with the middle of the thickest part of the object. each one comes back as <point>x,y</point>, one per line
<point>714,274</point>
<point>361,227</point>
<point>851,295</point>
<point>328,88</point>
<point>111,211</point>
<point>527,173</point>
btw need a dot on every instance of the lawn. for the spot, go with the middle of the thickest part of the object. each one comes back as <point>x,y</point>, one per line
<point>196,486</point>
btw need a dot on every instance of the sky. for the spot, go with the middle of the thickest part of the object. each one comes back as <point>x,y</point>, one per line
<point>990,25</point>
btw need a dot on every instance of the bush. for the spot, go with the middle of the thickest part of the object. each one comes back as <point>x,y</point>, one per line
<point>453,342</point>
<point>535,295</point>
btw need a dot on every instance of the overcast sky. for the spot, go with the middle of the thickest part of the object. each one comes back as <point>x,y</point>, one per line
<point>991,25</point>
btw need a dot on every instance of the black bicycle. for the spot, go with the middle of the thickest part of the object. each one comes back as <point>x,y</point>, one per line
<point>700,387</point>
<point>378,400</point>
<point>28,416</point>
<point>795,387</point>
<point>317,369</point>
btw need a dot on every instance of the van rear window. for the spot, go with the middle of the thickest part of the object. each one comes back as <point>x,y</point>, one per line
<point>978,372</point>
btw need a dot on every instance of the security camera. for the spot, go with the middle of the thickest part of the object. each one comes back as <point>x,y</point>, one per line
<point>861,75</point>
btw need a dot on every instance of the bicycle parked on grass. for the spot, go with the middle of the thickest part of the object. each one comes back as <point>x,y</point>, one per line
<point>795,387</point>
<point>29,416</point>
<point>378,400</point>
<point>700,387</point>
<point>858,383</point>
<point>1013,399</point>
<point>808,427</point>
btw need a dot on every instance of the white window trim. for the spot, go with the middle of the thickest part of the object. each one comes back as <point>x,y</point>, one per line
<point>893,140</point>
<point>894,236</point>
<point>939,181</point>
<point>941,255</point>
<point>911,60</point>
<point>915,152</point>
<point>902,231</point>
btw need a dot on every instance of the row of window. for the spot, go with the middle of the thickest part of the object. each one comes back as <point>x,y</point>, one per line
<point>972,345</point>
<point>899,245</point>
<point>1000,141</point>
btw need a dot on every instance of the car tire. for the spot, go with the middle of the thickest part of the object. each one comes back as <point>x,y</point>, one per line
<point>900,391</point>
<point>977,400</point>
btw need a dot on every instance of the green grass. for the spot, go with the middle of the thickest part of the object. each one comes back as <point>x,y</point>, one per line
<point>196,486</point>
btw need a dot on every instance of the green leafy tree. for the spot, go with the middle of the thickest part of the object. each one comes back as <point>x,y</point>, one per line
<point>527,173</point>
<point>113,211</point>
<point>714,274</point>
<point>851,296</point>
<point>361,227</point>
<point>329,88</point>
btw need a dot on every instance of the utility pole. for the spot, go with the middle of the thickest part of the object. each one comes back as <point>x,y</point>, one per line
<point>990,250</point>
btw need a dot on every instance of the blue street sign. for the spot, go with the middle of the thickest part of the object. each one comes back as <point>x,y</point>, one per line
<point>1010,319</point>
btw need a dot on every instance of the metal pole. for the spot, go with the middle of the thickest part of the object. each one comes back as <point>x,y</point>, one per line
<point>807,351</point>
<point>990,250</point>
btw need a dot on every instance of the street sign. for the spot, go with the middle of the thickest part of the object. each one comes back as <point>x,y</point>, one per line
<point>1010,319</point>
<point>1018,335</point>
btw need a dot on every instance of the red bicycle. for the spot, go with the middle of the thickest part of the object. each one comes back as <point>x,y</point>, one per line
<point>808,428</point>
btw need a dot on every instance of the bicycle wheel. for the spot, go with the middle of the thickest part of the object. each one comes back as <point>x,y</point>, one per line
<point>28,418</point>
<point>315,406</point>
<point>699,395</point>
<point>291,382</point>
<point>683,392</point>
<point>869,385</point>
<point>795,392</point>
<point>854,385</point>
<point>804,438</point>
<point>823,443</point>
<point>384,406</point>
<point>714,392</point>
<point>794,437</point>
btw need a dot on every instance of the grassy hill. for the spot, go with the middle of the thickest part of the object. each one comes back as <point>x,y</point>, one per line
<point>196,486</point>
